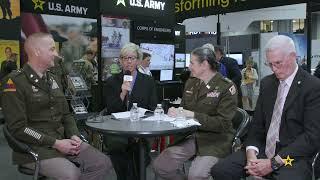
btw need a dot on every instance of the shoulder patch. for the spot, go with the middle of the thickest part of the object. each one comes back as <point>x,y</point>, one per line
<point>9,86</point>
<point>233,90</point>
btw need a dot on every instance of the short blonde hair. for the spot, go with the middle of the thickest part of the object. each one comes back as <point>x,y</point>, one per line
<point>133,48</point>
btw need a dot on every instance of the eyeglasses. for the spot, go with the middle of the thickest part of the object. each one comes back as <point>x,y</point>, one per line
<point>276,64</point>
<point>126,58</point>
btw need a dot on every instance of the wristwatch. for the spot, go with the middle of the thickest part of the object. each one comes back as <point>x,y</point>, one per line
<point>274,164</point>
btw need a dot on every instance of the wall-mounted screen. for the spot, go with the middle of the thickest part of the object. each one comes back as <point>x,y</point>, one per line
<point>166,75</point>
<point>237,56</point>
<point>180,60</point>
<point>162,55</point>
<point>188,57</point>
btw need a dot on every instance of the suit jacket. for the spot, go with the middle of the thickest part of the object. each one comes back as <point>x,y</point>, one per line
<point>233,71</point>
<point>300,122</point>
<point>143,93</point>
<point>36,113</point>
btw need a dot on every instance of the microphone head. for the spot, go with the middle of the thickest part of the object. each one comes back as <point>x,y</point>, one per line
<point>127,76</point>
<point>127,72</point>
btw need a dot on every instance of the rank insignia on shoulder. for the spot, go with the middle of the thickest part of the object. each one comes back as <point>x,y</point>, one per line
<point>232,90</point>
<point>9,86</point>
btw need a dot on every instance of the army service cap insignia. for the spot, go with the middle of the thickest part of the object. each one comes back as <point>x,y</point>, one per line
<point>9,86</point>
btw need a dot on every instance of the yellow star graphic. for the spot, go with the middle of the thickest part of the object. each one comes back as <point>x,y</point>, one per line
<point>121,2</point>
<point>38,4</point>
<point>288,161</point>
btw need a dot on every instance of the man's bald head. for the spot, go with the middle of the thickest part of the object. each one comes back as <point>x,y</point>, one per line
<point>41,50</point>
<point>34,41</point>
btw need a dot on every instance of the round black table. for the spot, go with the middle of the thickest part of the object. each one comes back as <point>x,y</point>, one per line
<point>141,129</point>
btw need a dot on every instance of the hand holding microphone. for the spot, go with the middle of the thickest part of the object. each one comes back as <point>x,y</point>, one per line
<point>126,85</point>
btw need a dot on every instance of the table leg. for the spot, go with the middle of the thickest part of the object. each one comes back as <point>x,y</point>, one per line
<point>142,160</point>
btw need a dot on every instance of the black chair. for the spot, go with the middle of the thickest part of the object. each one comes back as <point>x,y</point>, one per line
<point>241,122</point>
<point>20,147</point>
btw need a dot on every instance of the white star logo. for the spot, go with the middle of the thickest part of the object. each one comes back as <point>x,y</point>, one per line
<point>121,2</point>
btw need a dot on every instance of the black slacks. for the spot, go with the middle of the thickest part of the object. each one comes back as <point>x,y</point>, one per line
<point>232,168</point>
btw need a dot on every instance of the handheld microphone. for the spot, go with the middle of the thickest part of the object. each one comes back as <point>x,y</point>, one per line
<point>127,77</point>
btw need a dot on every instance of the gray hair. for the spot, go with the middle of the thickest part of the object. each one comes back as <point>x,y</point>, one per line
<point>131,48</point>
<point>281,42</point>
<point>206,54</point>
<point>208,45</point>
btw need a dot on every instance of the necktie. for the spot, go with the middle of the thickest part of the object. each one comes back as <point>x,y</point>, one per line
<point>273,132</point>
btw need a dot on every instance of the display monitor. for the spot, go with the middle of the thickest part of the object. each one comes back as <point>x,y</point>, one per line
<point>180,60</point>
<point>237,56</point>
<point>166,75</point>
<point>162,55</point>
<point>188,57</point>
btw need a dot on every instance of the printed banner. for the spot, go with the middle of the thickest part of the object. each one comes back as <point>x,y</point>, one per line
<point>10,19</point>
<point>80,8</point>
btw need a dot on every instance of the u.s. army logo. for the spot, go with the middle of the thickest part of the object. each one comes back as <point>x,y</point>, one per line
<point>38,4</point>
<point>121,2</point>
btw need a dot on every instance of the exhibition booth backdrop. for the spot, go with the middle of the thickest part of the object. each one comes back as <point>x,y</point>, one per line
<point>148,23</point>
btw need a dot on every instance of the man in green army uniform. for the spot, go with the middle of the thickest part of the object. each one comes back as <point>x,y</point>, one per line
<point>87,70</point>
<point>211,99</point>
<point>36,113</point>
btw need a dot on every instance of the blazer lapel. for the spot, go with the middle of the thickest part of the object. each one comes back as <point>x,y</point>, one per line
<point>294,90</point>
<point>135,88</point>
<point>35,79</point>
<point>271,99</point>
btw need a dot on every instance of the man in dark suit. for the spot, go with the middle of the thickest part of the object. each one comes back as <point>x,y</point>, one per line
<point>121,91</point>
<point>285,125</point>
<point>233,71</point>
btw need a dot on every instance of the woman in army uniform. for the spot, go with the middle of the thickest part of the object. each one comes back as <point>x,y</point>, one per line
<point>211,99</point>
